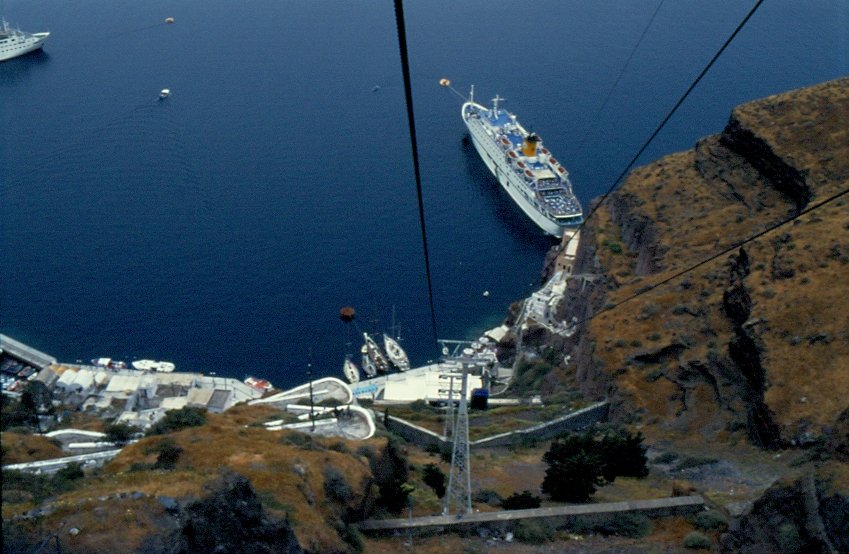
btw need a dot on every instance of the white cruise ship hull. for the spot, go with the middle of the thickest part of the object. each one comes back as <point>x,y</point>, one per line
<point>514,189</point>
<point>14,48</point>
<point>524,168</point>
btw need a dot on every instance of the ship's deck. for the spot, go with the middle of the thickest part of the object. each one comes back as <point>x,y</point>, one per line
<point>552,189</point>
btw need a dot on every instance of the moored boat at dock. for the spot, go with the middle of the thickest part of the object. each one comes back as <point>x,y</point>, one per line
<point>395,353</point>
<point>352,373</point>
<point>109,363</point>
<point>153,365</point>
<point>368,365</point>
<point>258,384</point>
<point>376,356</point>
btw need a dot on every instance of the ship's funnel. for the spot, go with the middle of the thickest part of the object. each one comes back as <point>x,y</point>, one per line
<point>529,148</point>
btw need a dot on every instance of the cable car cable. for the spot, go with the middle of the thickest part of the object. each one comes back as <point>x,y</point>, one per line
<point>411,120</point>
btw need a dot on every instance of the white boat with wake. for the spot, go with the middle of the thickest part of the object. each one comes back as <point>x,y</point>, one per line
<point>533,178</point>
<point>153,365</point>
<point>14,42</point>
<point>395,353</point>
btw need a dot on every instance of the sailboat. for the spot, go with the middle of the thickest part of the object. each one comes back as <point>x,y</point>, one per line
<point>374,354</point>
<point>368,365</point>
<point>351,371</point>
<point>395,353</point>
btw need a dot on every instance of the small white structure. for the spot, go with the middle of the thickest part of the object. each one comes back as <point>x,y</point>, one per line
<point>174,403</point>
<point>199,397</point>
<point>123,385</point>
<point>83,381</point>
<point>101,378</point>
<point>66,379</point>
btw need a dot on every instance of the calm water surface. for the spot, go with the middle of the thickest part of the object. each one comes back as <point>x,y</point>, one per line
<point>224,228</point>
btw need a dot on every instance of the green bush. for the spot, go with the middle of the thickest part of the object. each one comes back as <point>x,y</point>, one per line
<point>578,463</point>
<point>521,501</point>
<point>340,446</point>
<point>336,487</point>
<point>710,520</point>
<point>487,496</point>
<point>434,478</point>
<point>119,433</point>
<point>175,420</point>
<point>351,536</point>
<point>169,453</point>
<point>390,472</point>
<point>696,540</point>
<point>634,526</point>
<point>300,440</point>
<point>22,486</point>
<point>532,531</point>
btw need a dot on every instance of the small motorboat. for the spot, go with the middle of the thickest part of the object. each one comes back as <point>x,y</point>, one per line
<point>164,93</point>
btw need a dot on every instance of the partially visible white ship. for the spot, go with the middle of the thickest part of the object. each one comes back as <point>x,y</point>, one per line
<point>153,365</point>
<point>532,177</point>
<point>14,42</point>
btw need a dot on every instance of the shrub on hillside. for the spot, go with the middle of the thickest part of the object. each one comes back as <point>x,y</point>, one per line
<point>623,454</point>
<point>175,420</point>
<point>169,453</point>
<point>696,541</point>
<point>336,487</point>
<point>119,433</point>
<point>578,463</point>
<point>521,501</point>
<point>710,520</point>
<point>532,531</point>
<point>390,472</point>
<point>487,496</point>
<point>574,468</point>
<point>634,526</point>
<point>434,478</point>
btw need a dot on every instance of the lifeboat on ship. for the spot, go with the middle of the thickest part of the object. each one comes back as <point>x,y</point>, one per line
<point>512,154</point>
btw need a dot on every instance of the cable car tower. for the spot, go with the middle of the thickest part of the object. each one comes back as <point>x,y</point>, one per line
<point>459,494</point>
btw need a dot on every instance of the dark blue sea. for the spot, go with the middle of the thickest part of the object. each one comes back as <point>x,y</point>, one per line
<point>224,228</point>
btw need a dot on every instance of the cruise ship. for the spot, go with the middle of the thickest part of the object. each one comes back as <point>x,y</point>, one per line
<point>533,178</point>
<point>14,42</point>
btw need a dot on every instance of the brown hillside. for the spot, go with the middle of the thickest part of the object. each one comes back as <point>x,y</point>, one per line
<point>757,340</point>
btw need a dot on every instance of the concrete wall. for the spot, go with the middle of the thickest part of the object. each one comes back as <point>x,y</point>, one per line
<point>542,432</point>
<point>556,516</point>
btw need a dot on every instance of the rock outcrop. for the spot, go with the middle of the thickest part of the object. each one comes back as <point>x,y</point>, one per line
<point>756,341</point>
<point>805,514</point>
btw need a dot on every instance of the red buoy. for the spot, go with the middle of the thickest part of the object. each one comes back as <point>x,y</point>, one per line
<point>347,314</point>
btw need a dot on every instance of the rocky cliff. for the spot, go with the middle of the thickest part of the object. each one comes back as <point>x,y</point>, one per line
<point>754,343</point>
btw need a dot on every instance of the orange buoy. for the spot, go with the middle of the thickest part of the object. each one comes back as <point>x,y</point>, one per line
<point>347,314</point>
